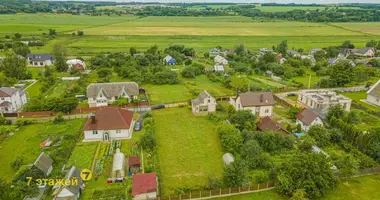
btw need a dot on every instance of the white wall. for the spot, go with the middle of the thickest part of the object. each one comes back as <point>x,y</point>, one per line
<point>373,100</point>
<point>305,127</point>
<point>125,134</point>
<point>145,196</point>
<point>16,100</point>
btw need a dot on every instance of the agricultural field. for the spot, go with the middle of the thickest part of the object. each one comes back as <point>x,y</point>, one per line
<point>289,8</point>
<point>189,149</point>
<point>363,27</point>
<point>83,154</point>
<point>27,140</point>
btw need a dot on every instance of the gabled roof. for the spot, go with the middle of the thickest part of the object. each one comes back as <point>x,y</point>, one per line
<point>168,58</point>
<point>201,97</point>
<point>7,91</point>
<point>112,89</point>
<point>362,50</point>
<point>293,52</point>
<point>256,99</point>
<point>228,158</point>
<point>214,50</point>
<point>133,160</point>
<point>5,104</point>
<point>76,61</point>
<point>110,118</point>
<point>218,68</point>
<point>43,162</point>
<point>39,57</point>
<point>268,124</point>
<point>307,116</point>
<point>144,183</point>
<point>219,59</point>
<point>375,90</point>
<point>74,189</point>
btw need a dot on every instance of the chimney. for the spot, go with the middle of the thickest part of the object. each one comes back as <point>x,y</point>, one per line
<point>92,117</point>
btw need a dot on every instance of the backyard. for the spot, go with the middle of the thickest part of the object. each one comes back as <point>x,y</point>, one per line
<point>83,154</point>
<point>27,140</point>
<point>189,149</point>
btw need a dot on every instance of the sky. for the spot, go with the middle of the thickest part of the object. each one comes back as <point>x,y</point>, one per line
<point>250,1</point>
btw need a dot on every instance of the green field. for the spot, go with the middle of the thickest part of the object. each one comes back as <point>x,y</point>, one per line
<point>363,27</point>
<point>289,8</point>
<point>83,154</point>
<point>357,96</point>
<point>25,142</point>
<point>189,149</point>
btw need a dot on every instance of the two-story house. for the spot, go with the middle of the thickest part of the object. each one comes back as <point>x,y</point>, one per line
<point>203,104</point>
<point>109,123</point>
<point>38,60</point>
<point>307,118</point>
<point>11,99</point>
<point>259,103</point>
<point>103,94</point>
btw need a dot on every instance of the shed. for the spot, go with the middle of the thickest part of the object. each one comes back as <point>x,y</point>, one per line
<point>118,165</point>
<point>228,158</point>
<point>44,163</point>
<point>134,164</point>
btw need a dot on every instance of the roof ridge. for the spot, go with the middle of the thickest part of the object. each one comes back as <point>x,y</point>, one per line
<point>118,110</point>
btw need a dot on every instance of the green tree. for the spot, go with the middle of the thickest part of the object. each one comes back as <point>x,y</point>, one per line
<point>320,55</point>
<point>132,51</point>
<point>148,140</point>
<point>332,52</point>
<point>251,151</point>
<point>335,112</point>
<point>59,50</point>
<point>52,32</point>
<point>347,165</point>
<point>18,36</point>
<point>230,138</point>
<point>235,174</point>
<point>206,54</point>
<point>341,74</point>
<point>347,45</point>
<point>14,67</point>
<point>153,49</point>
<point>320,134</point>
<point>21,49</point>
<point>261,177</point>
<point>60,64</point>
<point>371,43</point>
<point>239,83</point>
<point>299,194</point>
<point>240,118</point>
<point>80,33</point>
<point>306,142</point>
<point>309,171</point>
<point>104,72</point>
<point>240,50</point>
<point>283,47</point>
<point>353,117</point>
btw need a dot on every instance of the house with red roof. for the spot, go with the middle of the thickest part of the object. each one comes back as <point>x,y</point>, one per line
<point>268,124</point>
<point>109,123</point>
<point>307,118</point>
<point>144,186</point>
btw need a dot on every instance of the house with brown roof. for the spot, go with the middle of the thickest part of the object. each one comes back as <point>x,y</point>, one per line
<point>144,186</point>
<point>134,164</point>
<point>11,99</point>
<point>268,124</point>
<point>373,94</point>
<point>109,123</point>
<point>259,103</point>
<point>203,104</point>
<point>307,118</point>
<point>103,94</point>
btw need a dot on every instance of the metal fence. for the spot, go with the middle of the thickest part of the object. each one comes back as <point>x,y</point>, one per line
<point>207,194</point>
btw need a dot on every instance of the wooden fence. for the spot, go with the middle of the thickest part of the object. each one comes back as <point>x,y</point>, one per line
<point>207,194</point>
<point>362,172</point>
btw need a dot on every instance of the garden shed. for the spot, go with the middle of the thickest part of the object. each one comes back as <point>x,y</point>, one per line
<point>118,165</point>
<point>228,158</point>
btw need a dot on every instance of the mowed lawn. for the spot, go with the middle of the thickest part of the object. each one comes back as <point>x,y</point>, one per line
<point>189,149</point>
<point>357,96</point>
<point>25,142</point>
<point>197,26</point>
<point>83,155</point>
<point>364,27</point>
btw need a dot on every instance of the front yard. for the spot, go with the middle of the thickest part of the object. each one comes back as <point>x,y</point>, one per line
<point>189,149</point>
<point>25,142</point>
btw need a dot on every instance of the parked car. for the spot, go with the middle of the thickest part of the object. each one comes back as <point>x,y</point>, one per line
<point>158,106</point>
<point>292,94</point>
<point>137,126</point>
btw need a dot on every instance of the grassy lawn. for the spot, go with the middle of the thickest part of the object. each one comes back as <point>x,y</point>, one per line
<point>34,90</point>
<point>83,154</point>
<point>189,149</point>
<point>357,96</point>
<point>266,195</point>
<point>364,27</point>
<point>25,142</point>
<point>305,79</point>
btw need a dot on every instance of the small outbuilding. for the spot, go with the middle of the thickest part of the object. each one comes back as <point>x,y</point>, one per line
<point>144,186</point>
<point>134,164</point>
<point>228,158</point>
<point>118,165</point>
<point>169,60</point>
<point>76,64</point>
<point>44,163</point>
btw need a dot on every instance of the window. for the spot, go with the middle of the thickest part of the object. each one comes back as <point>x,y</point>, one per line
<point>266,110</point>
<point>203,108</point>
<point>2,98</point>
<point>101,95</point>
<point>94,132</point>
<point>41,63</point>
<point>118,131</point>
<point>209,100</point>
<point>377,100</point>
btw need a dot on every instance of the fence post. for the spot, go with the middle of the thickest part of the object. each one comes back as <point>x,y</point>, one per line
<point>200,193</point>
<point>267,184</point>
<point>169,197</point>
<point>220,191</point>
<point>239,189</point>
<point>190,194</point>
<point>258,186</point>
<point>229,191</point>
<point>249,187</point>
<point>179,196</point>
<point>210,193</point>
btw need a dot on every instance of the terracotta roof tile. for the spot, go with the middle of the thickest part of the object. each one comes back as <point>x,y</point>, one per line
<point>307,116</point>
<point>144,183</point>
<point>110,118</point>
<point>256,99</point>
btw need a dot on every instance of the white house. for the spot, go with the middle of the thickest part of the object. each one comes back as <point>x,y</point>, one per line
<point>109,123</point>
<point>69,192</point>
<point>11,99</point>
<point>259,103</point>
<point>373,94</point>
<point>307,118</point>
<point>323,99</point>
<point>368,52</point>
<point>144,186</point>
<point>218,68</point>
<point>220,60</point>
<point>293,53</point>
<point>203,104</point>
<point>102,94</point>
<point>214,52</point>
<point>76,64</point>
<point>38,60</point>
